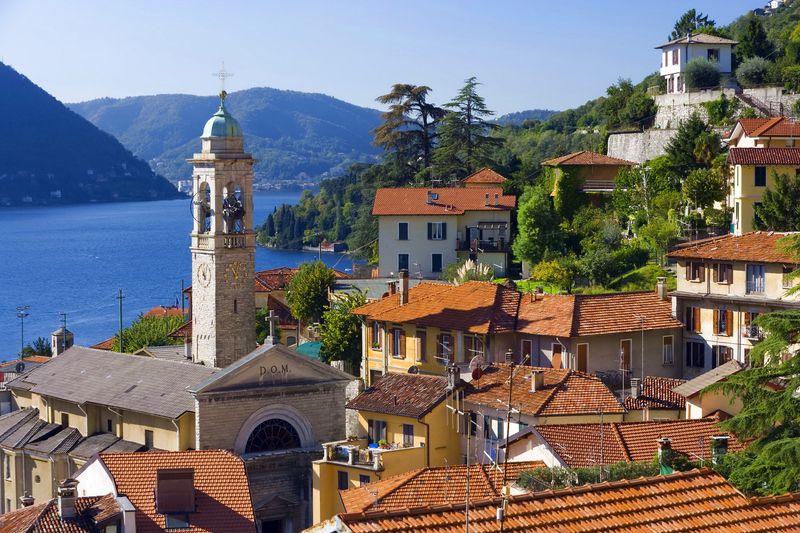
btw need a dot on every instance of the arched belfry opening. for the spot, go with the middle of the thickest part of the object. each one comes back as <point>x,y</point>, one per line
<point>233,210</point>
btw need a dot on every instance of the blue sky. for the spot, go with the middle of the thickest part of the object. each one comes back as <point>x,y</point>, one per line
<point>527,54</point>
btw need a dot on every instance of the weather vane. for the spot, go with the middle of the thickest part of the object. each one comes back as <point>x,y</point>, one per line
<point>222,74</point>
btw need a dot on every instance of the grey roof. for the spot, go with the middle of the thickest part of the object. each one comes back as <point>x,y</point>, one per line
<point>142,384</point>
<point>693,386</point>
<point>176,352</point>
<point>373,287</point>
<point>11,421</point>
<point>53,438</point>
<point>699,38</point>
<point>23,433</point>
<point>103,442</point>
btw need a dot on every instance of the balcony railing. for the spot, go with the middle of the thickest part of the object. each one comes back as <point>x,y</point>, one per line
<point>358,453</point>
<point>478,246</point>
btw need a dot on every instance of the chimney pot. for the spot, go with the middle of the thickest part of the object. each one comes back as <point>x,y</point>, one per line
<point>392,287</point>
<point>403,287</point>
<point>26,500</point>
<point>661,288</point>
<point>537,380</point>
<point>67,492</point>
<point>635,387</point>
<point>509,356</point>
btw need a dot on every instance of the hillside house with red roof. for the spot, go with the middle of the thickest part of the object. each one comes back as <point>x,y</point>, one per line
<point>596,171</point>
<point>422,230</point>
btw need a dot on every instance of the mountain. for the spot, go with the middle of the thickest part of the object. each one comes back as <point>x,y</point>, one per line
<point>296,136</point>
<point>51,155</point>
<point>516,119</point>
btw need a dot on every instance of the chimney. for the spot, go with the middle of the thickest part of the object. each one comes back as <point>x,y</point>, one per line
<point>403,286</point>
<point>661,288</point>
<point>486,199</point>
<point>392,287</point>
<point>429,197</point>
<point>665,453</point>
<point>67,492</point>
<point>537,380</point>
<point>509,356</point>
<point>496,199</point>
<point>26,500</point>
<point>635,387</point>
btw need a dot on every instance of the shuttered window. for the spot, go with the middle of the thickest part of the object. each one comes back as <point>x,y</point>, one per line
<point>723,322</point>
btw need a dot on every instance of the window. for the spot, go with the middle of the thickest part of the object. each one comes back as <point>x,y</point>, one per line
<point>755,279</point>
<point>376,431</point>
<point>422,352</point>
<point>723,273</point>
<point>408,435</point>
<point>761,177</point>
<point>723,322</point>
<point>713,55</point>
<point>437,231</point>
<point>526,349</point>
<point>363,480</point>
<point>402,262</point>
<point>751,330</point>
<point>472,423</point>
<point>402,231</point>
<point>444,347</point>
<point>695,354</point>
<point>375,333</point>
<point>500,427</point>
<point>398,342</point>
<point>625,347</point>
<point>667,353</point>
<point>109,425</point>
<point>671,84</point>
<point>235,307</point>
<point>679,83</point>
<point>65,419</point>
<point>787,281</point>
<point>675,57</point>
<point>436,263</point>
<point>693,322</point>
<point>177,520</point>
<point>720,355</point>
<point>342,481</point>
<point>473,346</point>
<point>273,434</point>
<point>695,271</point>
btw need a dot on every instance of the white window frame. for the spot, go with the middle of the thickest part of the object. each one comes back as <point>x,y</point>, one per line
<point>668,357</point>
<point>752,289</point>
<point>437,231</point>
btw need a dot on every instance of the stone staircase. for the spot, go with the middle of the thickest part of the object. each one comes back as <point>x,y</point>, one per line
<point>767,109</point>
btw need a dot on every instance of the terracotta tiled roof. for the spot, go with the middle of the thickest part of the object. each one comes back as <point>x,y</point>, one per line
<point>546,315</point>
<point>485,175</point>
<point>90,514</point>
<point>656,393</point>
<point>433,486</point>
<point>578,445</point>
<point>107,344</point>
<point>565,392</point>
<point>183,331</point>
<point>36,359</point>
<point>277,279</point>
<point>760,246</point>
<point>222,492</point>
<point>699,500</point>
<point>411,395</point>
<point>749,125</point>
<point>699,38</point>
<point>764,156</point>
<point>450,201</point>
<point>164,311</point>
<point>475,307</point>
<point>776,127</point>
<point>586,158</point>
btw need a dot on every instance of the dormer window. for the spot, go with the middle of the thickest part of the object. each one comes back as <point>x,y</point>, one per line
<point>175,496</point>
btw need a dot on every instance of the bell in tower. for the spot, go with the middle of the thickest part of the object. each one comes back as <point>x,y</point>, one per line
<point>223,244</point>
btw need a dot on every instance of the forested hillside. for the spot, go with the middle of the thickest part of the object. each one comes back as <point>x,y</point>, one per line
<point>51,155</point>
<point>294,135</point>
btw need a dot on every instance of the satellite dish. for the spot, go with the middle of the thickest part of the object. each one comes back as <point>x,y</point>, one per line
<point>413,370</point>
<point>20,367</point>
<point>476,362</point>
<point>477,373</point>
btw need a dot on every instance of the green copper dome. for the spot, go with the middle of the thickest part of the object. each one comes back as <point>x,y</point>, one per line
<point>222,124</point>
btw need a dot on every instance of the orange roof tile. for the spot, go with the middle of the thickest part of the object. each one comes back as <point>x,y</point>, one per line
<point>164,311</point>
<point>222,491</point>
<point>90,514</point>
<point>181,332</point>
<point>475,307</point>
<point>776,127</point>
<point>586,158</point>
<point>685,501</point>
<point>107,344</point>
<point>699,38</point>
<point>565,392</point>
<point>277,279</point>
<point>764,156</point>
<point>760,246</point>
<point>485,175</point>
<point>433,486</point>
<point>412,395</point>
<point>450,201</point>
<point>656,393</point>
<point>546,314</point>
<point>37,359</point>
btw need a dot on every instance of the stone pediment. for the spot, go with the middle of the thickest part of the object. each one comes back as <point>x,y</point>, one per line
<point>271,366</point>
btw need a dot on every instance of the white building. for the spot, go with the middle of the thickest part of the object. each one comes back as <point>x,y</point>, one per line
<point>676,54</point>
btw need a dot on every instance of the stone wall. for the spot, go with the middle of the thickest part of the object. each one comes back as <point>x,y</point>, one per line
<point>639,147</point>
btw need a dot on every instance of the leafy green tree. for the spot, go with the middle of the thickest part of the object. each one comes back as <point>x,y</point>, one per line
<point>722,111</point>
<point>40,346</point>
<point>690,21</point>
<point>340,330</point>
<point>148,331</point>
<point>568,196</point>
<point>627,105</point>
<point>307,292</point>
<point>701,73</point>
<point>538,225</point>
<point>752,71</point>
<point>703,187</point>
<point>791,78</point>
<point>683,147</point>
<point>658,234</point>
<point>753,40</point>
<point>780,205</point>
<point>637,188</point>
<point>560,272</point>
<point>270,225</point>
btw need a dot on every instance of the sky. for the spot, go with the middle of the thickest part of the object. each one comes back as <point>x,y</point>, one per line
<point>527,54</point>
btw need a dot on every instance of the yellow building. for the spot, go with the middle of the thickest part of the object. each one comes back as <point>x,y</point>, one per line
<point>701,403</point>
<point>404,424</point>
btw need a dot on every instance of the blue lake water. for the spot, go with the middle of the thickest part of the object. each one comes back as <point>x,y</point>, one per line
<point>74,259</point>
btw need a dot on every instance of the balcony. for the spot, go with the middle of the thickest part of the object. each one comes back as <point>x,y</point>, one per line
<point>754,333</point>
<point>358,453</point>
<point>476,246</point>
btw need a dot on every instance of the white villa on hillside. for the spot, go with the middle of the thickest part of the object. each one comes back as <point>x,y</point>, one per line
<point>677,53</point>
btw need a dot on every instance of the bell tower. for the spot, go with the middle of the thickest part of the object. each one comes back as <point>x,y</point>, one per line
<point>223,245</point>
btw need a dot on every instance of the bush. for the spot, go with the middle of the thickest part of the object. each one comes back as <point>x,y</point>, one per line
<point>752,72</point>
<point>701,74</point>
<point>791,78</point>
<point>721,111</point>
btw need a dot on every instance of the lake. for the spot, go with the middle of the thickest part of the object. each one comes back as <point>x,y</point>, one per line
<point>74,259</point>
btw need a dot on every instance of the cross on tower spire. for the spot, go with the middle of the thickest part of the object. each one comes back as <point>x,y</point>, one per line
<point>222,75</point>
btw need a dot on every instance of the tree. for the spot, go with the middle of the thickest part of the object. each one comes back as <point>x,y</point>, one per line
<point>701,73</point>
<point>636,190</point>
<point>262,326</point>
<point>658,234</point>
<point>752,72</point>
<point>149,331</point>
<point>307,292</point>
<point>559,272</point>
<point>690,22</point>
<point>703,187</point>
<point>682,148</point>
<point>409,126</point>
<point>270,225</point>
<point>40,346</point>
<point>780,205</point>
<point>465,143</point>
<point>538,225</point>
<point>627,105</point>
<point>568,195</point>
<point>721,111</point>
<point>340,330</point>
<point>753,40</point>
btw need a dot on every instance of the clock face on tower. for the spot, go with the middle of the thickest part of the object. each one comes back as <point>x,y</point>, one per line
<point>204,274</point>
<point>233,274</point>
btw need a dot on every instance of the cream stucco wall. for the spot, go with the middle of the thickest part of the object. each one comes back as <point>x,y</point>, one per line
<point>744,193</point>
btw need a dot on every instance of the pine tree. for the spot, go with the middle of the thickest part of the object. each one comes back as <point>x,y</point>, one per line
<point>690,21</point>
<point>780,205</point>
<point>753,41</point>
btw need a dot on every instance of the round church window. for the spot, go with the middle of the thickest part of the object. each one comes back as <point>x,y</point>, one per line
<point>273,434</point>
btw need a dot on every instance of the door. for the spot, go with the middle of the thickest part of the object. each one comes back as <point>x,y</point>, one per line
<point>583,357</point>
<point>625,347</point>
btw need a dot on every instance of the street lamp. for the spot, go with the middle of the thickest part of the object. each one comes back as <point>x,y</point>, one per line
<point>22,312</point>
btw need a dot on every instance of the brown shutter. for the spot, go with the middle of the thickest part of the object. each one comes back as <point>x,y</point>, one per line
<point>729,323</point>
<point>747,319</point>
<point>698,326</point>
<point>403,342</point>
<point>439,349</point>
<point>729,273</point>
<point>688,271</point>
<point>390,341</point>
<point>702,271</point>
<point>716,321</point>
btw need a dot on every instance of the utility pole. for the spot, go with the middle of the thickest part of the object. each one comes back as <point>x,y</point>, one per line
<point>183,300</point>
<point>22,312</point>
<point>120,297</point>
<point>64,337</point>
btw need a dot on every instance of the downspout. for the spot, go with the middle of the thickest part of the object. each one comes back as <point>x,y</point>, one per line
<point>427,442</point>
<point>177,433</point>
<point>47,416</point>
